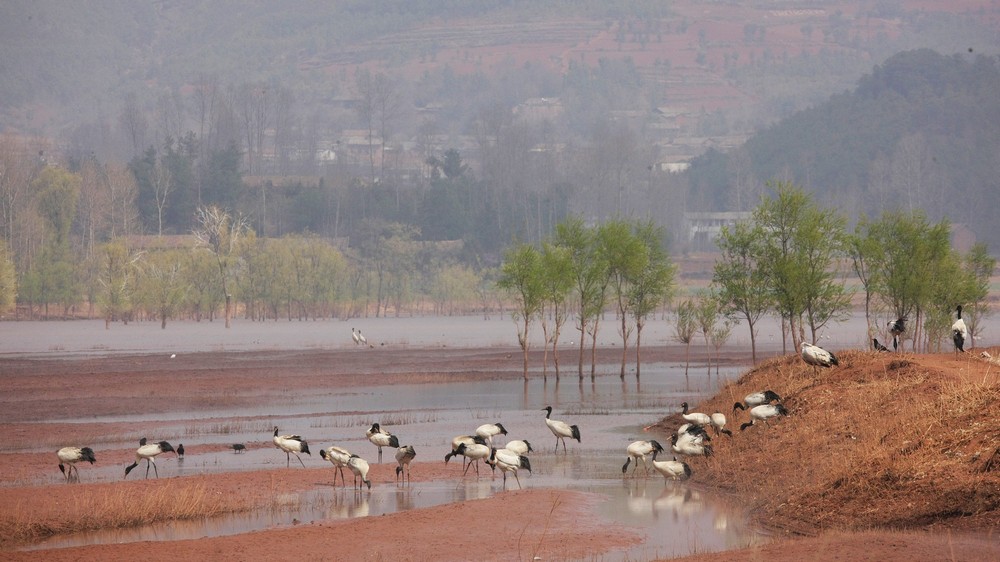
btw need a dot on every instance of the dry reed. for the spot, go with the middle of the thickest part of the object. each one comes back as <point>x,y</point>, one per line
<point>882,441</point>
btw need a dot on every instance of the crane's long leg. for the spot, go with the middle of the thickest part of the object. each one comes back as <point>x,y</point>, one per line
<point>300,460</point>
<point>518,480</point>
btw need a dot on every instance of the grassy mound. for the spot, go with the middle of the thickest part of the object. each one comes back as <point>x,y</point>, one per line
<point>891,441</point>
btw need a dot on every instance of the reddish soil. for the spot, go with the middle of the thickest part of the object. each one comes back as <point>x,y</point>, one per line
<point>515,525</point>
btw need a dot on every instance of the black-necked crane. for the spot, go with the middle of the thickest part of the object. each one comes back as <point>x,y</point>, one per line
<point>475,453</point>
<point>149,452</point>
<point>404,455</point>
<point>817,356</point>
<point>180,452</point>
<point>673,469</point>
<point>763,413</point>
<point>689,444</point>
<point>72,455</point>
<point>697,418</point>
<point>756,399</point>
<point>362,339</point>
<point>519,446</point>
<point>291,444</point>
<point>695,430</point>
<point>719,423</point>
<point>509,461</point>
<point>959,332</point>
<point>458,440</point>
<point>338,457</point>
<point>878,346</point>
<point>896,328</point>
<point>561,429</point>
<point>638,450</point>
<point>355,336</point>
<point>488,430</point>
<point>359,467</point>
<point>381,438</point>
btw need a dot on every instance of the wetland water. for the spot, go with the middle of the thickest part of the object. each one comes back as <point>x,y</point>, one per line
<point>674,518</point>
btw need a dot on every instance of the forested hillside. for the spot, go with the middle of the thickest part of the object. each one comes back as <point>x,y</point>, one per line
<point>407,144</point>
<point>921,131</point>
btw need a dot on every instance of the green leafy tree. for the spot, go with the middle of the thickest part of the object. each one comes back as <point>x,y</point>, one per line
<point>161,285</point>
<point>652,286</point>
<point>590,281</point>
<point>740,277</point>
<point>719,336</point>
<point>557,284</point>
<point>205,294</point>
<point>521,276</point>
<point>626,257</point>
<point>685,328</point>
<point>902,250</point>
<point>801,246</point>
<point>54,274</point>
<point>8,278</point>
<point>979,265</point>
<point>118,278</point>
<point>221,234</point>
<point>706,314</point>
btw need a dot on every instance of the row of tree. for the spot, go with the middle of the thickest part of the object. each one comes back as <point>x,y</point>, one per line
<point>790,259</point>
<point>586,269</point>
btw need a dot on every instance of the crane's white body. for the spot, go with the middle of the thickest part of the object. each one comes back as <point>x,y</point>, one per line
<point>756,399</point>
<point>817,356</point>
<point>291,445</point>
<point>763,413</point>
<point>404,455</point>
<point>560,429</point>
<point>719,423</point>
<point>959,333</point>
<point>519,446</point>
<point>509,461</point>
<point>694,417</point>
<point>72,455</point>
<point>381,438</point>
<point>637,451</point>
<point>488,430</point>
<point>672,469</point>
<point>690,444</point>
<point>359,467</point>
<point>338,457</point>
<point>149,452</point>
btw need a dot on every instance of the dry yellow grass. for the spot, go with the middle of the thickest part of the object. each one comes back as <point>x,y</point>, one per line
<point>882,441</point>
<point>89,508</point>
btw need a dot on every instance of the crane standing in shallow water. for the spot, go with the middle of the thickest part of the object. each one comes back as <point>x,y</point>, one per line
<point>560,429</point>
<point>148,452</point>
<point>72,455</point>
<point>291,444</point>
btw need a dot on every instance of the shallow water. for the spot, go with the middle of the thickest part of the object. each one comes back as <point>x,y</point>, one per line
<point>676,518</point>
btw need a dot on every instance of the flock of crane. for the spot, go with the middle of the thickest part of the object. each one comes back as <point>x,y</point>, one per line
<point>690,439</point>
